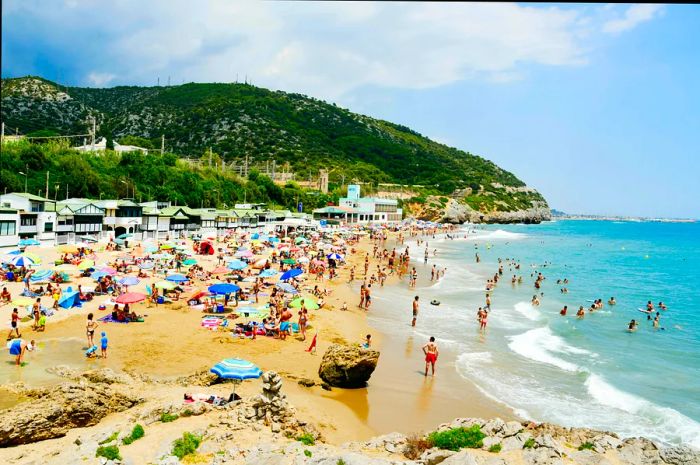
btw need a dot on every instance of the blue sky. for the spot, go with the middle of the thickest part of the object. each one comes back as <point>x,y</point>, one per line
<point>597,106</point>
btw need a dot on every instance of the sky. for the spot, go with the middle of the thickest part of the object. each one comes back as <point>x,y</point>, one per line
<point>595,105</point>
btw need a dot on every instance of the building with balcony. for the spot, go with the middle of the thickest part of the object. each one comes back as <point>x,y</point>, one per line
<point>356,209</point>
<point>9,235</point>
<point>37,216</point>
<point>77,219</point>
<point>122,217</point>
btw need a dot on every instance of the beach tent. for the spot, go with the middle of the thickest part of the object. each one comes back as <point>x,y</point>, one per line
<point>70,299</point>
<point>205,248</point>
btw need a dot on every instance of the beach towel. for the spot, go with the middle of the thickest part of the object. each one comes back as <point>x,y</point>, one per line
<point>109,319</point>
<point>27,293</point>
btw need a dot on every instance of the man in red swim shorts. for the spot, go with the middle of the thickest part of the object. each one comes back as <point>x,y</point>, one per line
<point>431,354</point>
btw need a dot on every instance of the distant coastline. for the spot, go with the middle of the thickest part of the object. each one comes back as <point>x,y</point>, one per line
<point>557,215</point>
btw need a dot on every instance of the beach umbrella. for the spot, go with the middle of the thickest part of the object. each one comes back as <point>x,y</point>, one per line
<point>255,236</point>
<point>291,274</point>
<point>68,248</point>
<point>237,265</point>
<point>124,236</point>
<point>28,242</point>
<point>334,256</point>
<point>21,260</point>
<point>86,264</point>
<point>287,288</point>
<point>318,262</point>
<point>130,298</point>
<point>300,240</point>
<point>243,254</point>
<point>129,281</point>
<point>167,285</point>
<point>236,369</point>
<point>99,274</point>
<point>109,270</point>
<point>309,303</point>
<point>220,270</point>
<point>66,267</point>
<point>161,256</point>
<point>41,275</point>
<point>177,278</point>
<point>14,252</point>
<point>166,247</point>
<point>88,239</point>
<point>189,261</point>
<point>268,273</point>
<point>273,239</point>
<point>303,260</point>
<point>223,288</point>
<point>146,265</point>
<point>289,261</point>
<point>151,249</point>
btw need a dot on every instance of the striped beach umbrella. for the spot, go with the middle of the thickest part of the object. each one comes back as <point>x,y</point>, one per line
<point>21,260</point>
<point>334,256</point>
<point>129,281</point>
<point>236,369</point>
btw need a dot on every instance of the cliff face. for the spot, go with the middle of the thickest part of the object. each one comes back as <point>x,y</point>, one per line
<point>455,211</point>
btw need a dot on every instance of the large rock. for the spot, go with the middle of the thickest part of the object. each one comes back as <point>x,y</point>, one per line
<point>347,366</point>
<point>55,410</point>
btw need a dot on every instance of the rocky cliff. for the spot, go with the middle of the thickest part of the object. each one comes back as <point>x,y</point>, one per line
<point>457,211</point>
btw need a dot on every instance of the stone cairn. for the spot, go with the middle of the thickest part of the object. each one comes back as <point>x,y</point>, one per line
<point>271,405</point>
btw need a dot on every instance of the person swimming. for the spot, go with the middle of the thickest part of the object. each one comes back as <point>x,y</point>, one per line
<point>632,326</point>
<point>612,301</point>
<point>662,306</point>
<point>563,311</point>
<point>581,312</point>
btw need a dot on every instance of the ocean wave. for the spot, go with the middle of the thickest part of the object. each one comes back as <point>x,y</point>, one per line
<point>663,423</point>
<point>527,310</point>
<point>538,345</point>
<point>498,234</point>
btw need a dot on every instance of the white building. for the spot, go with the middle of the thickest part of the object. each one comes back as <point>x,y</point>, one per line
<point>101,145</point>
<point>78,218</point>
<point>9,217</point>
<point>356,209</point>
<point>37,218</point>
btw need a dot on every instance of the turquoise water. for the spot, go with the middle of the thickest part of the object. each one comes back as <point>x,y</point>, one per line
<point>547,367</point>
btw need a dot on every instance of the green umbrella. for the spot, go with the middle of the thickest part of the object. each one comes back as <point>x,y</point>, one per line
<point>309,303</point>
<point>289,261</point>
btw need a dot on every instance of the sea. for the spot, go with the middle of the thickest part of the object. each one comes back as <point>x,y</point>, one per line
<point>588,372</point>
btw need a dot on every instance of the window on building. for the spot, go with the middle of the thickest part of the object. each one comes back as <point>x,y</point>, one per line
<point>48,227</point>
<point>28,221</point>
<point>8,228</point>
<point>37,206</point>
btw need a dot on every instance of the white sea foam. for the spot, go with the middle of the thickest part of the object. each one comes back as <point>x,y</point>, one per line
<point>527,310</point>
<point>662,421</point>
<point>498,234</point>
<point>538,345</point>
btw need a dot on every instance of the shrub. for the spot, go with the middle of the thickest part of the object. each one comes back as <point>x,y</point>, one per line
<point>529,444</point>
<point>306,439</point>
<point>187,413</point>
<point>415,446</point>
<point>458,438</point>
<point>307,453</point>
<point>340,462</point>
<point>586,446</point>
<point>496,448</point>
<point>108,452</point>
<point>136,433</point>
<point>168,417</point>
<point>111,438</point>
<point>186,445</point>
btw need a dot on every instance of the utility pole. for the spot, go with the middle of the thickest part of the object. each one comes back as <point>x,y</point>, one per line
<point>158,81</point>
<point>162,144</point>
<point>94,130</point>
<point>47,184</point>
<point>66,191</point>
<point>168,81</point>
<point>209,157</point>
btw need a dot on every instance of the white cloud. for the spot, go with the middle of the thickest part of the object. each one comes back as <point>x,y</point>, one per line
<point>100,79</point>
<point>324,49</point>
<point>635,15</point>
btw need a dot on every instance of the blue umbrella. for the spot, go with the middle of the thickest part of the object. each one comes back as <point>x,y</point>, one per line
<point>177,278</point>
<point>98,274</point>
<point>21,260</point>
<point>14,252</point>
<point>334,256</point>
<point>287,288</point>
<point>291,274</point>
<point>41,275</point>
<point>236,369</point>
<point>237,265</point>
<point>124,236</point>
<point>223,288</point>
<point>129,281</point>
<point>274,239</point>
<point>26,242</point>
<point>268,273</point>
<point>255,236</point>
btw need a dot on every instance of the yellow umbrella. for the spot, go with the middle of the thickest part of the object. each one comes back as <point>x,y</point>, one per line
<point>68,248</point>
<point>66,267</point>
<point>22,301</point>
<point>165,285</point>
<point>33,257</point>
<point>85,264</point>
<point>166,247</point>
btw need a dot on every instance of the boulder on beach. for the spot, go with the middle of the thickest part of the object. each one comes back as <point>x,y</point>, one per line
<point>347,366</point>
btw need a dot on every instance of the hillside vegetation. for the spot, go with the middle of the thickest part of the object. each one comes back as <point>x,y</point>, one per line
<point>236,120</point>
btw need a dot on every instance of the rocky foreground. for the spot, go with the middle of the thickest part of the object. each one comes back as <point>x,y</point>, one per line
<point>265,429</point>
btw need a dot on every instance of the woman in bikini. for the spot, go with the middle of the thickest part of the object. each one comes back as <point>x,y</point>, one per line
<point>90,329</point>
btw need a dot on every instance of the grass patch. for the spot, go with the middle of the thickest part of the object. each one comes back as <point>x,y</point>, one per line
<point>307,453</point>
<point>458,438</point>
<point>529,444</point>
<point>186,445</point>
<point>111,438</point>
<point>586,446</point>
<point>341,462</point>
<point>168,417</point>
<point>496,448</point>
<point>306,439</point>
<point>186,413</point>
<point>136,433</point>
<point>415,446</point>
<point>108,452</point>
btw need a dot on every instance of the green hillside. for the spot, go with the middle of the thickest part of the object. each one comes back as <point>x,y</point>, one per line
<point>236,120</point>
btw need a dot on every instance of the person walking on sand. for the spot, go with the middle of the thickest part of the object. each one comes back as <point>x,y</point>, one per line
<point>415,311</point>
<point>368,297</point>
<point>90,330</point>
<point>14,324</point>
<point>431,354</point>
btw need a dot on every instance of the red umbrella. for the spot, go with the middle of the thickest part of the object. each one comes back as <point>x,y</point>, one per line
<point>130,298</point>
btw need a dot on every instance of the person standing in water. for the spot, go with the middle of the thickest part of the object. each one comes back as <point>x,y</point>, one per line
<point>431,354</point>
<point>14,324</point>
<point>90,330</point>
<point>415,311</point>
<point>18,347</point>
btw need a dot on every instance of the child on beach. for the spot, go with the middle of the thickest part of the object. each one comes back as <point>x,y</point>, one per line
<point>368,342</point>
<point>103,344</point>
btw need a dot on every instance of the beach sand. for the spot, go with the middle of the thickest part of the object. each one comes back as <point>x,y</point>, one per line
<point>171,343</point>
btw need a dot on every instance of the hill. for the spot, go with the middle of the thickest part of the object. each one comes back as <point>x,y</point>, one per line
<point>238,120</point>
